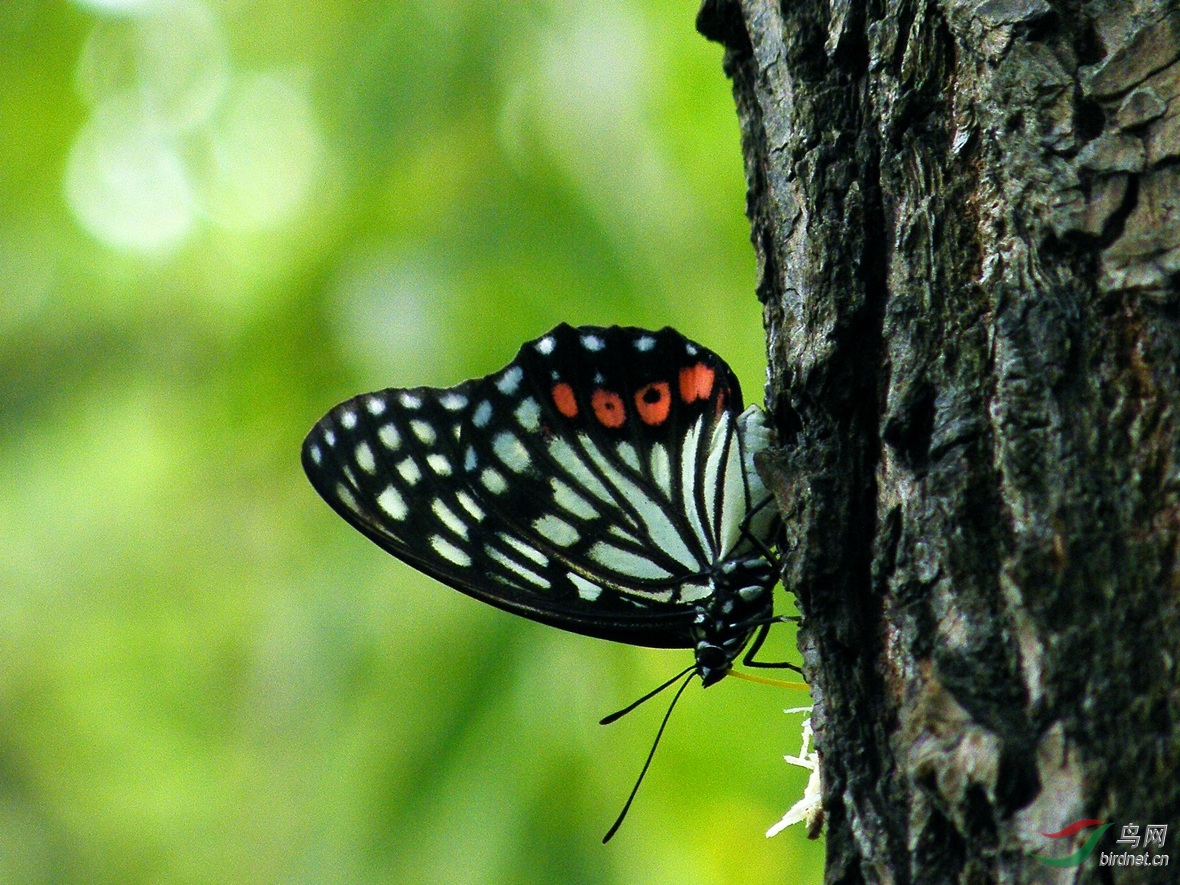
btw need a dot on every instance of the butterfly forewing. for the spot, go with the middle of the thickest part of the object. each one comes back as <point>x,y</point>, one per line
<point>592,484</point>
<point>596,469</point>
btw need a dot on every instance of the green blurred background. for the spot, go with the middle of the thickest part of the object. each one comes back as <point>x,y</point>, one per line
<point>218,219</point>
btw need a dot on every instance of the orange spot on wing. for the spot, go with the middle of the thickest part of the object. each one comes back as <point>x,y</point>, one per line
<point>608,408</point>
<point>653,402</point>
<point>696,382</point>
<point>563,398</point>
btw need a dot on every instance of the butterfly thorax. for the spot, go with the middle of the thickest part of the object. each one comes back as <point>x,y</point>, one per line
<point>741,601</point>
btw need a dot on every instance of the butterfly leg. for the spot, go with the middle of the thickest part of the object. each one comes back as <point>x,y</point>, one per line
<point>763,630</point>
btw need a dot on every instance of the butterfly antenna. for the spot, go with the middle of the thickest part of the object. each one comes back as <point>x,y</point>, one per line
<point>651,754</point>
<point>614,717</point>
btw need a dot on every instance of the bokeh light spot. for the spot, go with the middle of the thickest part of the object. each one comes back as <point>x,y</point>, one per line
<point>124,181</point>
<point>263,151</point>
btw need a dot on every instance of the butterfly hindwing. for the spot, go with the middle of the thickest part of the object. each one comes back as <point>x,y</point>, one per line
<point>592,484</point>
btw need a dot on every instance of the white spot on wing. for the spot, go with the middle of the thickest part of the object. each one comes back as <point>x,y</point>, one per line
<point>346,497</point>
<point>626,563</point>
<point>448,517</point>
<point>545,345</point>
<point>469,459</point>
<point>449,551</point>
<point>440,464</point>
<point>723,476</point>
<point>469,505</point>
<point>511,451</point>
<point>556,530</point>
<point>423,431</point>
<point>364,457</point>
<point>409,400</point>
<point>688,485</point>
<point>528,415</point>
<point>493,481</point>
<point>409,470</point>
<point>452,402</point>
<point>736,505</point>
<point>330,437</point>
<point>629,455</point>
<point>566,497</point>
<point>508,383</point>
<point>483,414</point>
<point>587,590</point>
<point>348,420</point>
<point>375,406</point>
<point>619,532</point>
<point>389,437</point>
<point>592,342</point>
<point>316,455</point>
<point>693,592</point>
<point>392,502</point>
<point>644,343</point>
<point>661,470</point>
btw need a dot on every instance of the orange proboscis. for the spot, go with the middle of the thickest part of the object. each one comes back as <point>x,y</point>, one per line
<point>563,398</point>
<point>696,382</point>
<point>653,402</point>
<point>608,408</point>
<point>762,680</point>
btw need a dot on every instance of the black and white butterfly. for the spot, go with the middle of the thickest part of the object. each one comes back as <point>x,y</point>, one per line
<point>602,482</point>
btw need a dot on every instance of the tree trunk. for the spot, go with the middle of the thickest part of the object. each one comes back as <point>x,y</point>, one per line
<point>967,221</point>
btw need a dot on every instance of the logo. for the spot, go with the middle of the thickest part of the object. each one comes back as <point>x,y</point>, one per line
<point>1154,835</point>
<point>1082,853</point>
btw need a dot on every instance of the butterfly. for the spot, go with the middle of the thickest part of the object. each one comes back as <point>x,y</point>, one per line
<point>602,482</point>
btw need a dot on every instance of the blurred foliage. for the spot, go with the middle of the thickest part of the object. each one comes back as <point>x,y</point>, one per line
<point>221,218</point>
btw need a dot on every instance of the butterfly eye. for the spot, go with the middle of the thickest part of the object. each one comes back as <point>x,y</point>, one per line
<point>653,403</point>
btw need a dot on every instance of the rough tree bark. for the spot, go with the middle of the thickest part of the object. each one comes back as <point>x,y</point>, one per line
<point>967,221</point>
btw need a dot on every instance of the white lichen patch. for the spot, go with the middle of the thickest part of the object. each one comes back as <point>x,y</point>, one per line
<point>808,809</point>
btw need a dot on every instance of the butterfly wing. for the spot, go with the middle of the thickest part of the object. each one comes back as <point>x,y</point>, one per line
<point>591,484</point>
